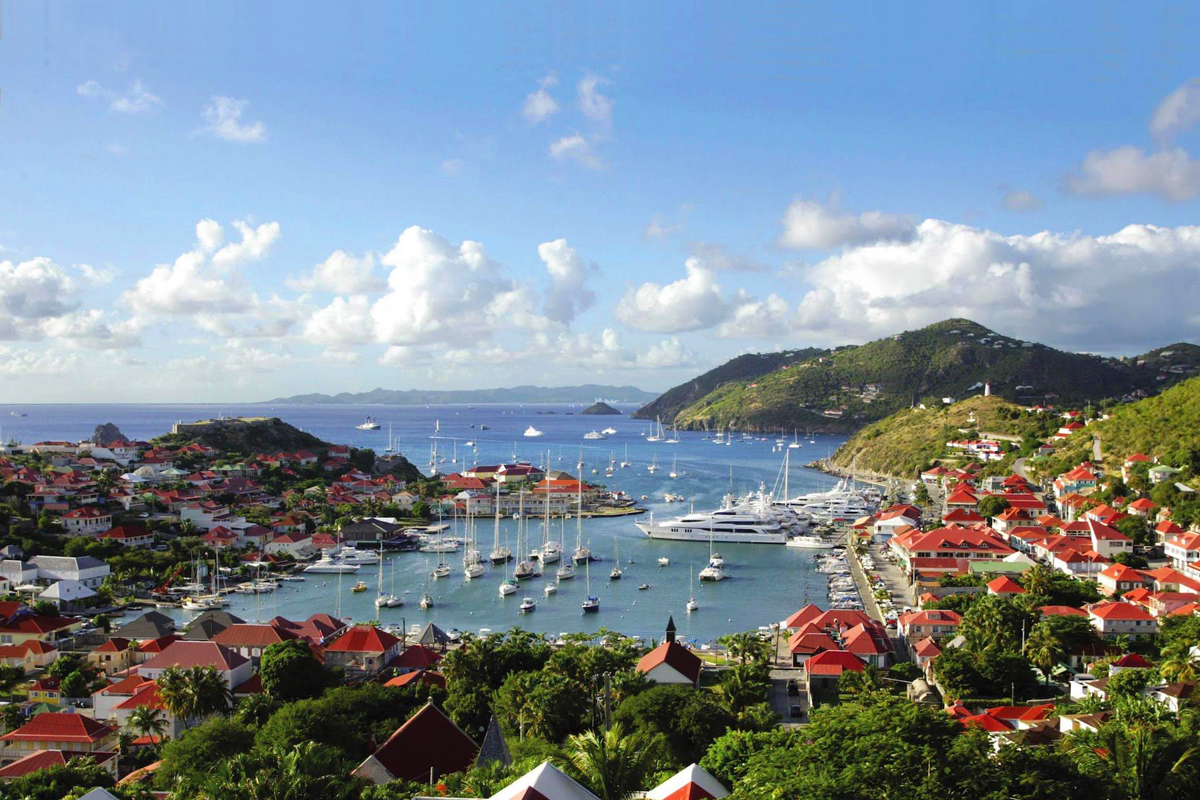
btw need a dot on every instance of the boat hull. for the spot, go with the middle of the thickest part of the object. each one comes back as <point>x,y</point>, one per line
<point>704,537</point>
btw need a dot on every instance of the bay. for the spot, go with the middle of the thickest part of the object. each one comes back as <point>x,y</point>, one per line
<point>765,583</point>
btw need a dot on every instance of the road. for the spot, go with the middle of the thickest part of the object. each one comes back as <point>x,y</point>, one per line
<point>1097,455</point>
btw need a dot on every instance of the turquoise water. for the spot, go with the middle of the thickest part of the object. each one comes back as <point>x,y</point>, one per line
<point>765,583</point>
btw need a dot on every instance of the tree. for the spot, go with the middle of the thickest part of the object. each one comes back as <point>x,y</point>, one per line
<point>1137,529</point>
<point>728,758</point>
<point>744,685</point>
<point>993,505</point>
<point>1179,663</point>
<point>921,495</point>
<point>1140,757</point>
<point>308,771</point>
<point>543,704</point>
<point>58,782</point>
<point>10,677</point>
<point>1045,648</point>
<point>256,709</point>
<point>290,671</point>
<point>860,682</point>
<point>688,720</point>
<point>994,624</point>
<point>614,764</point>
<point>1036,580</point>
<point>191,757</point>
<point>74,685</point>
<point>148,721</point>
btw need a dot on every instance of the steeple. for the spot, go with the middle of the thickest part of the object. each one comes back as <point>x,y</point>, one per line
<point>670,637</point>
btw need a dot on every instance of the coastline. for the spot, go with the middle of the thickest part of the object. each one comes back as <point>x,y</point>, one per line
<point>829,468</point>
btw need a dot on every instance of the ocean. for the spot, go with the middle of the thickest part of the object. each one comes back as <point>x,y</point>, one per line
<point>765,583</point>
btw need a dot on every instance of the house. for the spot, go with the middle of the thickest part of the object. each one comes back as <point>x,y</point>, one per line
<point>924,652</point>
<point>824,670</point>
<point>86,521</point>
<point>428,745</point>
<point>1117,579</point>
<point>1182,549</point>
<point>362,649</point>
<point>545,781</point>
<point>29,655</point>
<point>690,783</point>
<point>1004,586</point>
<point>415,658</point>
<point>233,667</point>
<point>86,570</point>
<point>369,530</point>
<point>870,643</point>
<point>1161,472</point>
<point>58,731</point>
<point>1142,507</point>
<point>251,640</point>
<point>806,643</point>
<point>46,690</point>
<point>151,625</point>
<point>1112,619</point>
<point>129,536</point>
<point>45,759</point>
<point>205,627</point>
<point>892,519</point>
<point>66,594</point>
<point>27,627</point>
<point>671,662</point>
<point>935,624</point>
<point>1079,480</point>
<point>114,655</point>
<point>1174,695</point>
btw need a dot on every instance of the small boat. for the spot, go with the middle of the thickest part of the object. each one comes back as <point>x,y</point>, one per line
<point>616,570</point>
<point>643,587</point>
<point>508,587</point>
<point>565,572</point>
<point>532,432</point>
<point>550,588</point>
<point>692,605</point>
<point>610,431</point>
<point>591,603</point>
<point>369,425</point>
<point>441,571</point>
<point>359,587</point>
<point>594,435</point>
<point>528,605</point>
<point>664,561</point>
<point>426,600</point>
<point>294,578</point>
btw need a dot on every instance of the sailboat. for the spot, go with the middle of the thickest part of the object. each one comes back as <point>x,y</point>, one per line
<point>525,568</point>
<point>616,570</point>
<point>472,566</point>
<point>652,467</point>
<point>674,438</point>
<point>692,605</point>
<point>566,570</point>
<point>550,551</point>
<point>426,598</point>
<point>591,603</point>
<point>625,461</point>
<point>390,445</point>
<point>582,555</point>
<point>499,555</point>
<point>442,570</point>
<point>383,599</point>
<point>508,585</point>
<point>795,439</point>
<point>674,467</point>
<point>656,435</point>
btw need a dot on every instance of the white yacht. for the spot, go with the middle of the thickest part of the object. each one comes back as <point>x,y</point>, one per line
<point>332,564</point>
<point>352,555</point>
<point>748,524</point>
<point>810,542</point>
<point>842,502</point>
<point>532,432</point>
<point>713,572</point>
<point>609,431</point>
<point>369,425</point>
<point>594,435</point>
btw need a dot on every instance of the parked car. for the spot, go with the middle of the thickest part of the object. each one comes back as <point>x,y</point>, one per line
<point>793,687</point>
<point>797,712</point>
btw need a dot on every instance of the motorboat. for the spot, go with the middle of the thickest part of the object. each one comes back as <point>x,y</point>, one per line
<point>610,431</point>
<point>643,587</point>
<point>332,564</point>
<point>663,561</point>
<point>565,572</point>
<point>532,432</point>
<point>509,586</point>
<point>716,560</point>
<point>352,555</point>
<point>369,425</point>
<point>441,571</point>
<point>593,435</point>
<point>359,587</point>
<point>550,588</point>
<point>712,572</point>
<point>528,605</point>
<point>753,523</point>
<point>810,542</point>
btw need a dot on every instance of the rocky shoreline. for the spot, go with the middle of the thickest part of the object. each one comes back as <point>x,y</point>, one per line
<point>829,468</point>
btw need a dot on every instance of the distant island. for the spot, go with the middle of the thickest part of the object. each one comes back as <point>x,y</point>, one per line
<point>587,393</point>
<point>600,408</point>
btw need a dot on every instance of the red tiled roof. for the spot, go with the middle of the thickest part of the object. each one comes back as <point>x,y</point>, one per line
<point>427,741</point>
<point>1005,585</point>
<point>363,639</point>
<point>44,759</point>
<point>1062,611</point>
<point>1108,611</point>
<point>196,654</point>
<point>416,657</point>
<point>675,656</point>
<point>59,727</point>
<point>249,635</point>
<point>422,676</point>
<point>834,662</point>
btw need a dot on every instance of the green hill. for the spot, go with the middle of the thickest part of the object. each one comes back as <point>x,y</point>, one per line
<point>905,442</point>
<point>849,387</point>
<point>744,367</point>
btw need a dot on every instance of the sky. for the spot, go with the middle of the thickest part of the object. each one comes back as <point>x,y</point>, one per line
<point>227,202</point>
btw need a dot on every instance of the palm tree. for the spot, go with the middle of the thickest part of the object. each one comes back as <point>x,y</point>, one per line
<point>742,687</point>
<point>1178,662</point>
<point>175,690</point>
<point>1045,648</point>
<point>1142,758</point>
<point>308,770</point>
<point>211,692</point>
<point>148,721</point>
<point>1037,580</point>
<point>613,764</point>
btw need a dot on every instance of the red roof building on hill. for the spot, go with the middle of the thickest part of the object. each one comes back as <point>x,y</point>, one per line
<point>671,662</point>
<point>833,663</point>
<point>362,648</point>
<point>420,676</point>
<point>416,657</point>
<point>1005,586</point>
<point>54,731</point>
<point>45,759</point>
<point>427,744</point>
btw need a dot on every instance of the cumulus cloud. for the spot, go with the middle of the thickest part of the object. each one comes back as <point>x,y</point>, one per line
<point>691,303</point>
<point>92,329</point>
<point>807,224</point>
<point>345,321</point>
<point>667,354</point>
<point>223,119</point>
<point>20,363</point>
<point>136,100</point>
<point>41,299</point>
<point>751,318</point>
<point>568,294</point>
<point>1178,112</point>
<point>576,148</point>
<point>202,281</point>
<point>342,273</point>
<point>1170,174</point>
<point>593,103</point>
<point>540,105</point>
<point>1115,293</point>
<point>35,289</point>
<point>1021,200</point>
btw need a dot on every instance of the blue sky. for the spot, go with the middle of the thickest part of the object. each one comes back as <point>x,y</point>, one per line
<point>643,191</point>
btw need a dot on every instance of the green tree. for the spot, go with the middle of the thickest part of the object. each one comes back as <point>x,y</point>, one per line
<point>307,771</point>
<point>10,678</point>
<point>728,758</point>
<point>58,782</point>
<point>543,704</point>
<point>993,505</point>
<point>1140,758</point>
<point>74,685</point>
<point>191,757</point>
<point>860,682</point>
<point>1045,647</point>
<point>148,721</point>
<point>1179,663</point>
<point>290,671</point>
<point>614,764</point>
<point>256,709</point>
<point>993,624</point>
<point>744,685</point>
<point>688,720</point>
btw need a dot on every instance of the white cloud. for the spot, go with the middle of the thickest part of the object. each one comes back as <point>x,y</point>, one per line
<point>576,148</point>
<point>223,119</point>
<point>34,289</point>
<point>659,230</point>
<point>137,100</point>
<point>345,321</point>
<point>338,355</point>
<point>341,273</point>
<point>691,303</point>
<point>568,294</point>
<point>97,276</point>
<point>90,329</point>
<point>1178,112</point>
<point>1169,174</point>
<point>752,318</point>
<point>807,224</point>
<point>19,363</point>
<point>1118,293</point>
<point>595,106</point>
<point>201,281</point>
<point>667,354</point>
<point>1021,200</point>
<point>540,105</point>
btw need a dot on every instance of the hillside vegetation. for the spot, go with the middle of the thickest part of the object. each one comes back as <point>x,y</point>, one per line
<point>854,386</point>
<point>904,443</point>
<point>586,393</point>
<point>745,367</point>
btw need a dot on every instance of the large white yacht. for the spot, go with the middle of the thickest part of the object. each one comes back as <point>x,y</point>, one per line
<point>333,564</point>
<point>532,432</point>
<point>754,523</point>
<point>842,502</point>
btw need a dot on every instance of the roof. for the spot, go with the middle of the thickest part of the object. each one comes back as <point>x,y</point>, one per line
<point>415,657</point>
<point>426,676</point>
<point>44,759</point>
<point>803,616</point>
<point>675,656</point>
<point>427,741</point>
<point>60,727</point>
<point>1131,661</point>
<point>432,635</point>
<point>363,639</point>
<point>544,782</point>
<point>1062,611</point>
<point>1114,611</point>
<point>494,747</point>
<point>185,655</point>
<point>690,783</point>
<point>834,662</point>
<point>1005,585</point>
<point>245,635</point>
<point>151,625</point>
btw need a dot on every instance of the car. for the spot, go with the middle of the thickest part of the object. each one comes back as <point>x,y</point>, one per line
<point>793,687</point>
<point>797,712</point>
